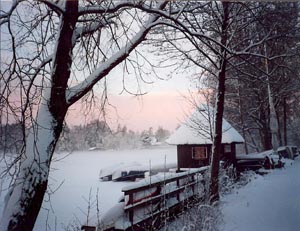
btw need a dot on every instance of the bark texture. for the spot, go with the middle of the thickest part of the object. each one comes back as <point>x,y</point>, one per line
<point>216,149</point>
<point>26,197</point>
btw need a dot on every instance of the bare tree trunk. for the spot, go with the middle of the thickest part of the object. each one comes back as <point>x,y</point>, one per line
<point>242,116</point>
<point>265,133</point>
<point>284,121</point>
<point>216,149</point>
<point>273,116</point>
<point>25,199</point>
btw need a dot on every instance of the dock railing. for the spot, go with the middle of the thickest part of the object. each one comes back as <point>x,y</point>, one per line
<point>161,196</point>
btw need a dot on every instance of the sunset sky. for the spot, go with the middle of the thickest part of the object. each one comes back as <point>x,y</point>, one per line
<point>165,105</point>
<point>162,105</point>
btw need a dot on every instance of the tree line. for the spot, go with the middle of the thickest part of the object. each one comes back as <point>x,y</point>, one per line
<point>98,135</point>
<point>94,135</point>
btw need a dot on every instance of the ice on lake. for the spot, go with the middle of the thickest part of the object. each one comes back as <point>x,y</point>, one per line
<point>79,175</point>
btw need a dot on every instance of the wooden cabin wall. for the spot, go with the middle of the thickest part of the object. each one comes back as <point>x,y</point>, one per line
<point>230,155</point>
<point>184,156</point>
<point>185,159</point>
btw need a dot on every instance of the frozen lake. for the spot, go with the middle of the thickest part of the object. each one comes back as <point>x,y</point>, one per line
<point>78,174</point>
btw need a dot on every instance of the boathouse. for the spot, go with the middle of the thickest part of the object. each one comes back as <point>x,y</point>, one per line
<point>194,139</point>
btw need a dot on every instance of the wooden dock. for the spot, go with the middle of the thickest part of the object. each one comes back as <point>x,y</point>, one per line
<point>151,201</point>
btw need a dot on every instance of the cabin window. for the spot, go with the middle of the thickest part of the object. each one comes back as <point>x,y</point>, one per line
<point>227,148</point>
<point>199,153</point>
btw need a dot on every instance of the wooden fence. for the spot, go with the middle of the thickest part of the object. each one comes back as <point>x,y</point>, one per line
<point>155,199</point>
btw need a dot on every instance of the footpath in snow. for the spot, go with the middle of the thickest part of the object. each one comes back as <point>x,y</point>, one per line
<point>267,203</point>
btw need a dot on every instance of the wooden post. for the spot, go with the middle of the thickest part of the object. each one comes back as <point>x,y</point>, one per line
<point>193,186</point>
<point>159,192</point>
<point>131,211</point>
<point>178,193</point>
<point>158,198</point>
<point>284,121</point>
<point>233,154</point>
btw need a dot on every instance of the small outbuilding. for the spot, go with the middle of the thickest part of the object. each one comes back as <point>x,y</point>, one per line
<point>194,139</point>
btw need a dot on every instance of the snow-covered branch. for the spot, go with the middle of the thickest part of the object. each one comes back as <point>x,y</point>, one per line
<point>76,92</point>
<point>102,9</point>
<point>89,29</point>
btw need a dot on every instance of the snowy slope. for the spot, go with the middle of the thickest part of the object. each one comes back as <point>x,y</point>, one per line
<point>268,203</point>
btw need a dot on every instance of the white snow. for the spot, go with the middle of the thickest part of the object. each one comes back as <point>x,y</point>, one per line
<point>113,214</point>
<point>160,177</point>
<point>255,155</point>
<point>198,128</point>
<point>79,173</point>
<point>116,170</point>
<point>34,162</point>
<point>268,203</point>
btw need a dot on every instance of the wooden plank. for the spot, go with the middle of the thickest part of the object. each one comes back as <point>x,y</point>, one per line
<point>190,179</point>
<point>157,198</point>
<point>163,181</point>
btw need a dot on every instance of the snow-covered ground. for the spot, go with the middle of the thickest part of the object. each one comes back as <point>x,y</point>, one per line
<point>267,203</point>
<point>79,174</point>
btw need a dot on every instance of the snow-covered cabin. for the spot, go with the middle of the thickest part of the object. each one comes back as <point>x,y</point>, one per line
<point>194,139</point>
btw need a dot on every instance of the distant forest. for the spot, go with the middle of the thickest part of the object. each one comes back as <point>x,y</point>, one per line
<point>94,135</point>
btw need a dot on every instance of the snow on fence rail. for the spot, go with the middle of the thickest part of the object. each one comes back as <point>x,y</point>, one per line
<point>152,200</point>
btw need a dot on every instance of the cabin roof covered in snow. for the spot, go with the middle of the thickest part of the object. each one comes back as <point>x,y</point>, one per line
<point>196,129</point>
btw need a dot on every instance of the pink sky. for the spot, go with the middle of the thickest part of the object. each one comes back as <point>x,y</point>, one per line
<point>166,109</point>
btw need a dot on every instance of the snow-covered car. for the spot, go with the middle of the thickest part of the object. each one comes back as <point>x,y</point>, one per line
<point>285,152</point>
<point>277,161</point>
<point>288,152</point>
<point>254,161</point>
<point>295,151</point>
